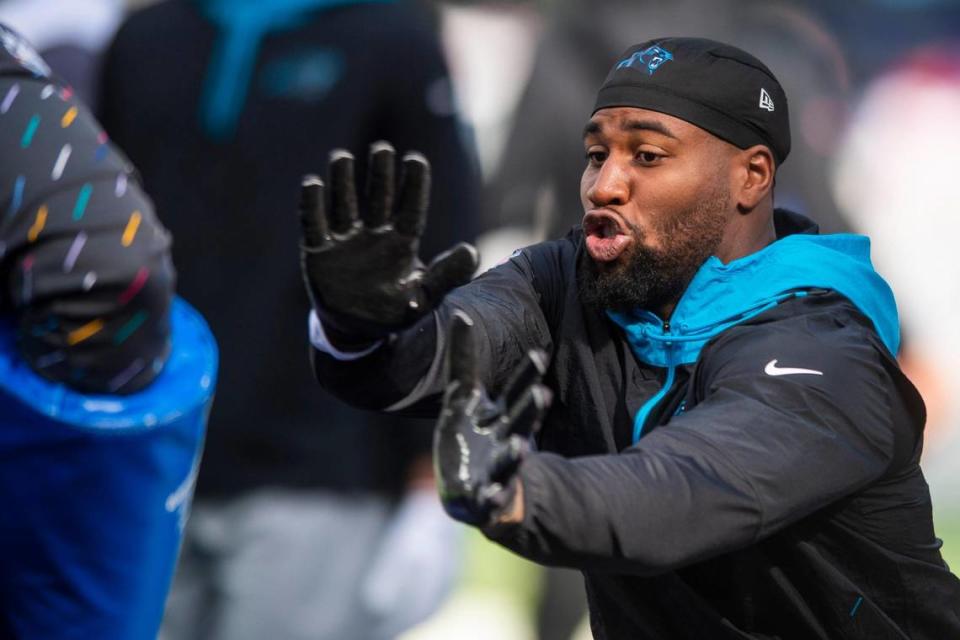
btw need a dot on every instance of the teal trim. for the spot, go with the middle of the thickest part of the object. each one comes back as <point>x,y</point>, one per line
<point>641,418</point>
<point>649,343</point>
<point>839,262</point>
<point>242,25</point>
<point>856,605</point>
<point>307,74</point>
<point>721,296</point>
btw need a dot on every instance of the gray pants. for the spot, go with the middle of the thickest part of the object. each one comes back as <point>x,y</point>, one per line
<point>276,564</point>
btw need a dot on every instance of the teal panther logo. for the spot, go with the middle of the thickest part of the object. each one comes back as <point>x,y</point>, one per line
<point>651,58</point>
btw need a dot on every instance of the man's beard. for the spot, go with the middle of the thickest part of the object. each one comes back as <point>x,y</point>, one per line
<point>651,279</point>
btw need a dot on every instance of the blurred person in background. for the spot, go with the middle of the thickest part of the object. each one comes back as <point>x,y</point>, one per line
<point>105,377</point>
<point>313,520</point>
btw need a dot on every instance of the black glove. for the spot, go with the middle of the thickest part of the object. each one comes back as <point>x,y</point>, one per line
<point>479,443</point>
<point>362,272</point>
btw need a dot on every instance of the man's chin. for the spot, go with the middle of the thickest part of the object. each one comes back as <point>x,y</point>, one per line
<point>606,285</point>
<point>607,267</point>
<point>638,279</point>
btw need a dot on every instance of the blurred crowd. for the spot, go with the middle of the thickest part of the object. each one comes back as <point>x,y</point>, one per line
<point>313,520</point>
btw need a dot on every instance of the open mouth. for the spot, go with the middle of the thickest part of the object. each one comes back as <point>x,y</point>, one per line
<point>606,239</point>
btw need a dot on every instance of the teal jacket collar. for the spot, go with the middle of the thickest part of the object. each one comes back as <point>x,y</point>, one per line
<point>721,296</point>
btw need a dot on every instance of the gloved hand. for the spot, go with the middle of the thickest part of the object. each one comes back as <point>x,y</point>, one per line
<point>361,268</point>
<point>479,442</point>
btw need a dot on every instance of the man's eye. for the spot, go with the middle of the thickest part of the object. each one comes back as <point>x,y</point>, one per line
<point>596,157</point>
<point>647,157</point>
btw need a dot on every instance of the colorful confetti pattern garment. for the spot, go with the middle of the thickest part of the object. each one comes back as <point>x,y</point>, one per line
<point>84,262</point>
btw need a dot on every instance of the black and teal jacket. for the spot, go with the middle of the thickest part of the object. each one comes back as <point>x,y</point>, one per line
<point>722,296</point>
<point>749,470</point>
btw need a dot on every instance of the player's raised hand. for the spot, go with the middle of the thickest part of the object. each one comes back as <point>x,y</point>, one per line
<point>479,442</point>
<point>360,265</point>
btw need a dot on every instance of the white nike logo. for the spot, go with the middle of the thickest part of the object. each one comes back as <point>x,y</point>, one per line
<point>773,370</point>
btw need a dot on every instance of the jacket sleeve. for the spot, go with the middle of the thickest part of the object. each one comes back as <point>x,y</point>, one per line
<point>84,262</point>
<point>758,453</point>
<point>406,374</point>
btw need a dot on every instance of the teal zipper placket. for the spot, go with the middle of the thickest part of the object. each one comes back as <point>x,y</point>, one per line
<point>640,420</point>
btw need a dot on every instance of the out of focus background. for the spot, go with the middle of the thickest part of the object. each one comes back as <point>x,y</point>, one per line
<point>315,521</point>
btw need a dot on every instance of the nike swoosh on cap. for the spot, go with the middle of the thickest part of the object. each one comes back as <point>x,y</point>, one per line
<point>773,370</point>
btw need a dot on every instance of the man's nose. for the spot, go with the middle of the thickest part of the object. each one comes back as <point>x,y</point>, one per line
<point>611,186</point>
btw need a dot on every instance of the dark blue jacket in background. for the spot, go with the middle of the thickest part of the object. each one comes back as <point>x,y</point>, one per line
<point>225,175</point>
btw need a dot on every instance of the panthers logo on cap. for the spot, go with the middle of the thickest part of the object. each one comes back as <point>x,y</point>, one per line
<point>22,52</point>
<point>650,58</point>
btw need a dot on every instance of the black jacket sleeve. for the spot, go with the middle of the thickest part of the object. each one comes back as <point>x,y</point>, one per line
<point>85,264</point>
<point>509,305</point>
<point>758,453</point>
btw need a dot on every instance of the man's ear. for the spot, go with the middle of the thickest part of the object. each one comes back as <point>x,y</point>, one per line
<point>755,179</point>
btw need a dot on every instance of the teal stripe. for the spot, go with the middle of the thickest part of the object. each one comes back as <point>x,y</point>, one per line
<point>129,327</point>
<point>17,199</point>
<point>649,405</point>
<point>29,131</point>
<point>856,605</point>
<point>82,199</point>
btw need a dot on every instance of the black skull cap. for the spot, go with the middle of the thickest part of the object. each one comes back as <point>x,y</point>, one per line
<point>715,86</point>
